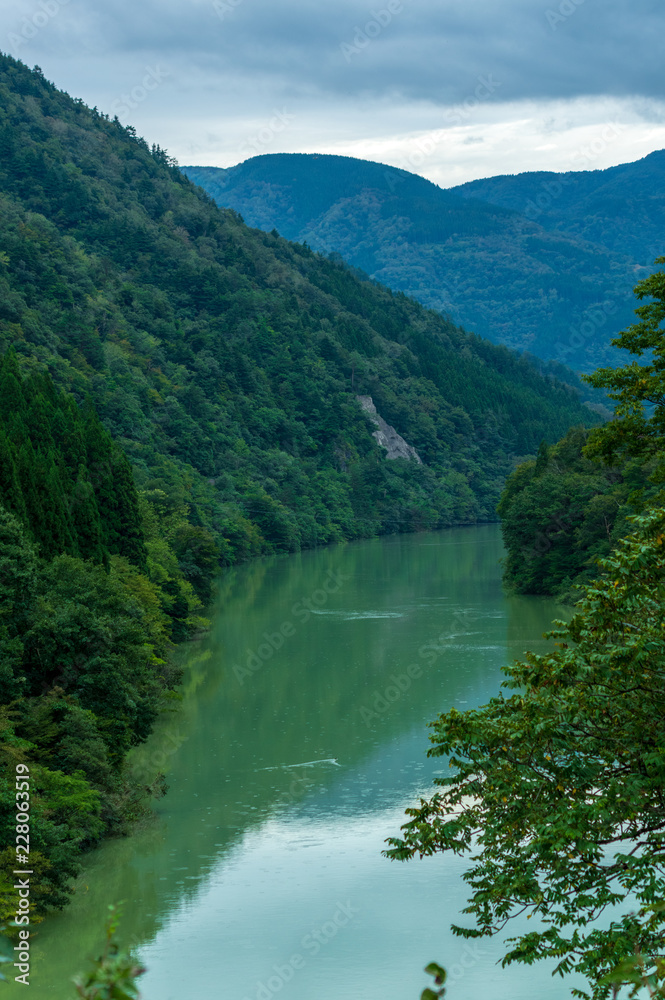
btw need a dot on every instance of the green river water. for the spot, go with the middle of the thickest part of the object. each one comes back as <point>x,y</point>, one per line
<point>261,874</point>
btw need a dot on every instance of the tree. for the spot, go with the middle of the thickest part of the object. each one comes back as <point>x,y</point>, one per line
<point>100,636</point>
<point>557,788</point>
<point>638,428</point>
<point>198,558</point>
<point>18,586</point>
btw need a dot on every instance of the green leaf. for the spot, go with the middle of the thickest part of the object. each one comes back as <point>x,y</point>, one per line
<point>433,969</point>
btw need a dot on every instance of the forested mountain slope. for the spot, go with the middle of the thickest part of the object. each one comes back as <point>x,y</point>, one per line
<point>491,267</point>
<point>179,392</point>
<point>572,505</point>
<point>621,208</point>
<point>227,361</point>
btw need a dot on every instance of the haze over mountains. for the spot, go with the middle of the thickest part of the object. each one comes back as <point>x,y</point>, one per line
<point>540,262</point>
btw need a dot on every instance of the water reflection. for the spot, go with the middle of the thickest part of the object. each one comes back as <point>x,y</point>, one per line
<point>299,741</point>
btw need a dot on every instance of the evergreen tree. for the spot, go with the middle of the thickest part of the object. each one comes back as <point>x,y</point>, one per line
<point>85,518</point>
<point>125,531</point>
<point>12,402</point>
<point>18,587</point>
<point>11,495</point>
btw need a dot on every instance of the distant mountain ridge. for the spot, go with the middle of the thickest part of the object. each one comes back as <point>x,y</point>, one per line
<point>533,261</point>
<point>621,208</point>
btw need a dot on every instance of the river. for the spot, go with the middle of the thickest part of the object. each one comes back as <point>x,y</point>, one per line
<point>300,739</point>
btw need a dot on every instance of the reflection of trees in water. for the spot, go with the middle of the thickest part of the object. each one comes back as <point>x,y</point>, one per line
<point>302,704</point>
<point>528,618</point>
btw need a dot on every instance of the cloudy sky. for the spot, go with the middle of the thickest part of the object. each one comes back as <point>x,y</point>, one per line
<point>451,89</point>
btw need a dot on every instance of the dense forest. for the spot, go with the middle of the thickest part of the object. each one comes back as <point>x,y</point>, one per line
<point>92,597</point>
<point>555,283</point>
<point>226,361</point>
<point>568,508</point>
<point>563,511</point>
<point>178,393</point>
<point>621,208</point>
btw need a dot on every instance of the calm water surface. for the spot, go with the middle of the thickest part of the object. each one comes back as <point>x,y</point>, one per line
<point>300,740</point>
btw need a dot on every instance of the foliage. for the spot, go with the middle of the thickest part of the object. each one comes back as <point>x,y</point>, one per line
<point>62,475</point>
<point>555,284</point>
<point>621,208</point>
<point>226,362</point>
<point>85,672</point>
<point>638,428</point>
<point>439,974</point>
<point>563,511</point>
<point>557,787</point>
<point>177,392</point>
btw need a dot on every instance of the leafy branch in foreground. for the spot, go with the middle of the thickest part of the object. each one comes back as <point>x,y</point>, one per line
<point>439,974</point>
<point>114,973</point>
<point>558,788</point>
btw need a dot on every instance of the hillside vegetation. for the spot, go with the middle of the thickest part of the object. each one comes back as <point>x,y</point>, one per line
<point>563,512</point>
<point>178,393</point>
<point>226,362</point>
<point>621,208</point>
<point>558,289</point>
<point>570,507</point>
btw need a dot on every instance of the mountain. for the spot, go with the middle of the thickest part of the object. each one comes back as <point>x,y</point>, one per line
<point>477,253</point>
<point>179,392</point>
<point>226,362</point>
<point>621,208</point>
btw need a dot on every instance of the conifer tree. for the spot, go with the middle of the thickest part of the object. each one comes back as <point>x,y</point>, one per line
<point>115,492</point>
<point>85,519</point>
<point>11,393</point>
<point>17,598</point>
<point>11,495</point>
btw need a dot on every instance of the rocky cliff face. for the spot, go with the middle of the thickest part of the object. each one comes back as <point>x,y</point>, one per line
<point>387,436</point>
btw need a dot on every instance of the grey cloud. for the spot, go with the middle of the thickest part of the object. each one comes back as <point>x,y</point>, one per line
<point>430,51</point>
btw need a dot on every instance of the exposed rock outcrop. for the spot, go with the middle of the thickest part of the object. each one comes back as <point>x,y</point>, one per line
<point>387,436</point>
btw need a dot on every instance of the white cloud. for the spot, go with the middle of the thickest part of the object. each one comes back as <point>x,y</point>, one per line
<point>407,97</point>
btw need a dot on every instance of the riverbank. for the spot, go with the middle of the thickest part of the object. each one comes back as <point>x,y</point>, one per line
<point>251,830</point>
